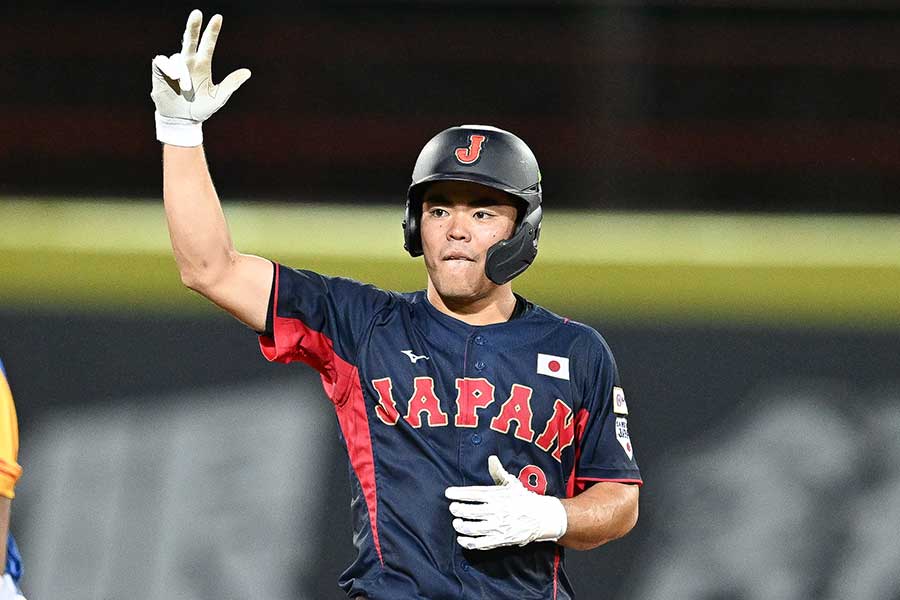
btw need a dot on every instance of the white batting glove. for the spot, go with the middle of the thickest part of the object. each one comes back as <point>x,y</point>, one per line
<point>183,90</point>
<point>8,589</point>
<point>506,514</point>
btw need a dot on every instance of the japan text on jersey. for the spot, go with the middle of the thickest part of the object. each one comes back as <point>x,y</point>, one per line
<point>423,399</point>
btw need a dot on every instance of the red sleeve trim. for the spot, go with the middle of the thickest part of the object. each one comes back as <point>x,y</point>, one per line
<point>611,479</point>
<point>292,340</point>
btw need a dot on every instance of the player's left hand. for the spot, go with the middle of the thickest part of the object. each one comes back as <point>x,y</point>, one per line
<point>505,514</point>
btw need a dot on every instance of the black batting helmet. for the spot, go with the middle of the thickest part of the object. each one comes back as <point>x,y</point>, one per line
<point>492,157</point>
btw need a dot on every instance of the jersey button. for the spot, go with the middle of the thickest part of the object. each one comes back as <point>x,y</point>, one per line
<point>464,565</point>
<point>479,339</point>
<point>479,365</point>
<point>476,439</point>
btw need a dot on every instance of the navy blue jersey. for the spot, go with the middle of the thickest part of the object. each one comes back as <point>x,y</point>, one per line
<point>423,399</point>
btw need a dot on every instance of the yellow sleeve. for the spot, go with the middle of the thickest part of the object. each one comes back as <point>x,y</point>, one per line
<point>9,440</point>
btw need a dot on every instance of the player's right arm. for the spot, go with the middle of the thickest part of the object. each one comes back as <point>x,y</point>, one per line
<point>207,260</point>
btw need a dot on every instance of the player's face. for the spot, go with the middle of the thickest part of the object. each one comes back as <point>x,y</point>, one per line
<point>460,221</point>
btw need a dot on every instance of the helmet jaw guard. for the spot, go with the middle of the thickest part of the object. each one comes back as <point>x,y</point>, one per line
<point>509,258</point>
<point>491,157</point>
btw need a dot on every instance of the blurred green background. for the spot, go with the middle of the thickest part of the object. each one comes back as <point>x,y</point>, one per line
<point>762,269</point>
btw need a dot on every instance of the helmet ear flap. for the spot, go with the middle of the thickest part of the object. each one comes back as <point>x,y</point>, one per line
<point>412,235</point>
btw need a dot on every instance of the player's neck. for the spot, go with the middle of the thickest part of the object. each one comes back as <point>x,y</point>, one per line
<point>497,307</point>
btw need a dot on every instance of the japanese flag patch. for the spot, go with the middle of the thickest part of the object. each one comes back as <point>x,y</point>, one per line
<point>622,436</point>
<point>553,366</point>
<point>619,406</point>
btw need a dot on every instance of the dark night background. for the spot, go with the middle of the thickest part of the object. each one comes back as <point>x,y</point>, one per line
<point>768,105</point>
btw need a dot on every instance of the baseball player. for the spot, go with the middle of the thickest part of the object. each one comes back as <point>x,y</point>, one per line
<point>9,474</point>
<point>484,433</point>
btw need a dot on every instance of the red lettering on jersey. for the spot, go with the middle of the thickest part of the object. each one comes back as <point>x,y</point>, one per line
<point>470,154</point>
<point>423,399</point>
<point>386,409</point>
<point>559,426</point>
<point>534,479</point>
<point>472,394</point>
<point>517,408</point>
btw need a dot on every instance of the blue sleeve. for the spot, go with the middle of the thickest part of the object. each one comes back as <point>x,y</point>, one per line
<point>13,559</point>
<point>604,451</point>
<point>319,319</point>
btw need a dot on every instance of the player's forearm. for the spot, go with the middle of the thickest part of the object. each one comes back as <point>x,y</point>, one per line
<point>604,512</point>
<point>200,238</point>
<point>5,505</point>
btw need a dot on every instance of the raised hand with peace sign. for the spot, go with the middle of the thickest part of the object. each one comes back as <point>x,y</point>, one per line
<point>183,89</point>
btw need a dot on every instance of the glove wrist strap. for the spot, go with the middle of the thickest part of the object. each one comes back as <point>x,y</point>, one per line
<point>178,132</point>
<point>559,518</point>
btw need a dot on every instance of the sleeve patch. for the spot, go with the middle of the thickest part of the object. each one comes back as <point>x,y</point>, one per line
<point>619,406</point>
<point>622,436</point>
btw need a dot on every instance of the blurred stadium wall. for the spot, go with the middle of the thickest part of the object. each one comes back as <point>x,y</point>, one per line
<point>721,183</point>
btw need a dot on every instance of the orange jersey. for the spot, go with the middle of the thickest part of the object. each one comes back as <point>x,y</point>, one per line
<point>9,440</point>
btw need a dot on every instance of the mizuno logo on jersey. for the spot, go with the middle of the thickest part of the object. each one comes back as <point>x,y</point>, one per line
<point>553,366</point>
<point>413,357</point>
